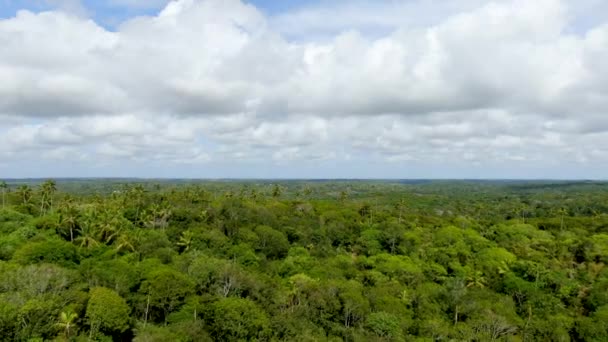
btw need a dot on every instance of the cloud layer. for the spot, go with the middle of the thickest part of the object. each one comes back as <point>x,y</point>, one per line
<point>490,88</point>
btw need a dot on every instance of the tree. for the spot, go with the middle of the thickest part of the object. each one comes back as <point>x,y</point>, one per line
<point>354,304</point>
<point>238,319</point>
<point>66,322</point>
<point>107,312</point>
<point>3,188</point>
<point>185,241</point>
<point>384,325</point>
<point>271,242</point>
<point>343,196</point>
<point>158,216</point>
<point>54,250</point>
<point>456,291</point>
<point>47,190</point>
<point>562,212</point>
<point>25,193</point>
<point>307,191</point>
<point>166,289</point>
<point>476,279</point>
<point>124,242</point>
<point>87,234</point>
<point>136,194</point>
<point>68,216</point>
<point>277,191</point>
<point>402,205</point>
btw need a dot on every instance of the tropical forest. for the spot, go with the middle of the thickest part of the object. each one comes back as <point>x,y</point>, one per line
<point>185,260</point>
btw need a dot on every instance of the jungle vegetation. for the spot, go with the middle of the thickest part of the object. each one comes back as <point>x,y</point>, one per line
<point>174,260</point>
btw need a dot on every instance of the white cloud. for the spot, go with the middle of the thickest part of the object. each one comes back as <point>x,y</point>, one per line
<point>485,83</point>
<point>138,4</point>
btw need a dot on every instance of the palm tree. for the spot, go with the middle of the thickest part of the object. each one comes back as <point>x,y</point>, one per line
<point>562,212</point>
<point>68,214</point>
<point>66,322</point>
<point>137,194</point>
<point>401,205</point>
<point>185,241</point>
<point>25,192</point>
<point>158,216</point>
<point>3,187</point>
<point>521,211</point>
<point>47,190</point>
<point>109,224</point>
<point>124,242</point>
<point>87,236</point>
<point>476,279</point>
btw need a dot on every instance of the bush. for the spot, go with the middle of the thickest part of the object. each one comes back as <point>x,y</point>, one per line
<point>50,251</point>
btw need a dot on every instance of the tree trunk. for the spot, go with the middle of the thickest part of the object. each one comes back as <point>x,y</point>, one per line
<point>146,312</point>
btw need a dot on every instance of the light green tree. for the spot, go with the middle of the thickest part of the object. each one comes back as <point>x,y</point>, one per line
<point>107,312</point>
<point>238,319</point>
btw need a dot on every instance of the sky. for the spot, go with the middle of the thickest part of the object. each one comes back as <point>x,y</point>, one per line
<point>304,89</point>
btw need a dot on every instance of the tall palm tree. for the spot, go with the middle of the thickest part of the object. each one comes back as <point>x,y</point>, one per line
<point>401,206</point>
<point>3,187</point>
<point>68,214</point>
<point>47,190</point>
<point>562,212</point>
<point>137,194</point>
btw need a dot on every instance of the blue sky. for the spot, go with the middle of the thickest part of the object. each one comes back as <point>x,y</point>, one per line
<point>304,89</point>
<point>103,10</point>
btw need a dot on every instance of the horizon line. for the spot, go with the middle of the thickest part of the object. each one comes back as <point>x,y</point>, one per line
<point>303,178</point>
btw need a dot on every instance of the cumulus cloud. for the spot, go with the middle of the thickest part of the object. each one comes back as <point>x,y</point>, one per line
<point>138,4</point>
<point>206,81</point>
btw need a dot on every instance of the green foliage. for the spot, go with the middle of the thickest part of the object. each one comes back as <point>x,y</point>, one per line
<point>107,312</point>
<point>238,319</point>
<point>50,251</point>
<point>271,242</point>
<point>300,261</point>
<point>166,289</point>
<point>384,325</point>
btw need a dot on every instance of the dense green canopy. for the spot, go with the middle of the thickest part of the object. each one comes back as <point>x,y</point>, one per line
<point>304,261</point>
